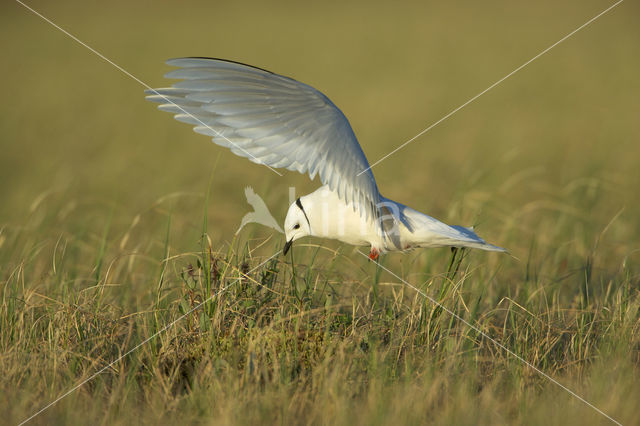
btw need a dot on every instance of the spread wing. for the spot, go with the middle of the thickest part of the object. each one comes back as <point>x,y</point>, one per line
<point>273,120</point>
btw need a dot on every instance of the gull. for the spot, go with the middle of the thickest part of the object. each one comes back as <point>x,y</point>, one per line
<point>280,122</point>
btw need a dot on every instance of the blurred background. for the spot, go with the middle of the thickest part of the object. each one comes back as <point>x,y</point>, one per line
<point>554,146</point>
<point>104,201</point>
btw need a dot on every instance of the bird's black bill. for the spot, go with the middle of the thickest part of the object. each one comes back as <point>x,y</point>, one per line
<point>287,246</point>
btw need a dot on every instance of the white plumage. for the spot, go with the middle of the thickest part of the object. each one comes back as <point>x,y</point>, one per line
<point>272,120</point>
<point>282,123</point>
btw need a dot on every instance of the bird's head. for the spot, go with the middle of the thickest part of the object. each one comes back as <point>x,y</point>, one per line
<point>296,224</point>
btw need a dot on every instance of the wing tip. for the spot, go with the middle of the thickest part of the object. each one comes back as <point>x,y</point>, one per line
<point>195,61</point>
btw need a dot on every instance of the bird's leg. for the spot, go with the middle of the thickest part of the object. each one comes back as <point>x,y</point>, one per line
<point>374,254</point>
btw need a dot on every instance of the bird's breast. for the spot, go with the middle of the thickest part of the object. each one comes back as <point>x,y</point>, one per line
<point>332,218</point>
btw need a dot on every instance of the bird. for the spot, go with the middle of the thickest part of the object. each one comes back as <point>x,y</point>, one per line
<point>279,122</point>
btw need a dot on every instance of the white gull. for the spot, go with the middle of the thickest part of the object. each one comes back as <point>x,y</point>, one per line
<point>282,123</point>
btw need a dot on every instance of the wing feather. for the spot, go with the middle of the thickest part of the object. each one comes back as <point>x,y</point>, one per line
<point>271,119</point>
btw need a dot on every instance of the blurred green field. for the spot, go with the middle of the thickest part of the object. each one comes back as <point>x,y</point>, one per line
<point>105,201</point>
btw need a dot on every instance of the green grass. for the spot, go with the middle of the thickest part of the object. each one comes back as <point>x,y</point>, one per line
<point>254,342</point>
<point>116,221</point>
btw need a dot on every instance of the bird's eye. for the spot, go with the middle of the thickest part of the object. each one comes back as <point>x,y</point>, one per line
<point>296,226</point>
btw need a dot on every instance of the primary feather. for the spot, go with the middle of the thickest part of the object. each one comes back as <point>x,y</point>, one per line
<point>271,119</point>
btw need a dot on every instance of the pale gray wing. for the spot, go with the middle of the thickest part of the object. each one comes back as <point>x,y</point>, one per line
<point>271,119</point>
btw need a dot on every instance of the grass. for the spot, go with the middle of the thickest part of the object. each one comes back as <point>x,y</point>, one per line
<point>255,338</point>
<point>110,228</point>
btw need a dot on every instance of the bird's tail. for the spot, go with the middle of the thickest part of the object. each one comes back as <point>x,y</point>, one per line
<point>468,238</point>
